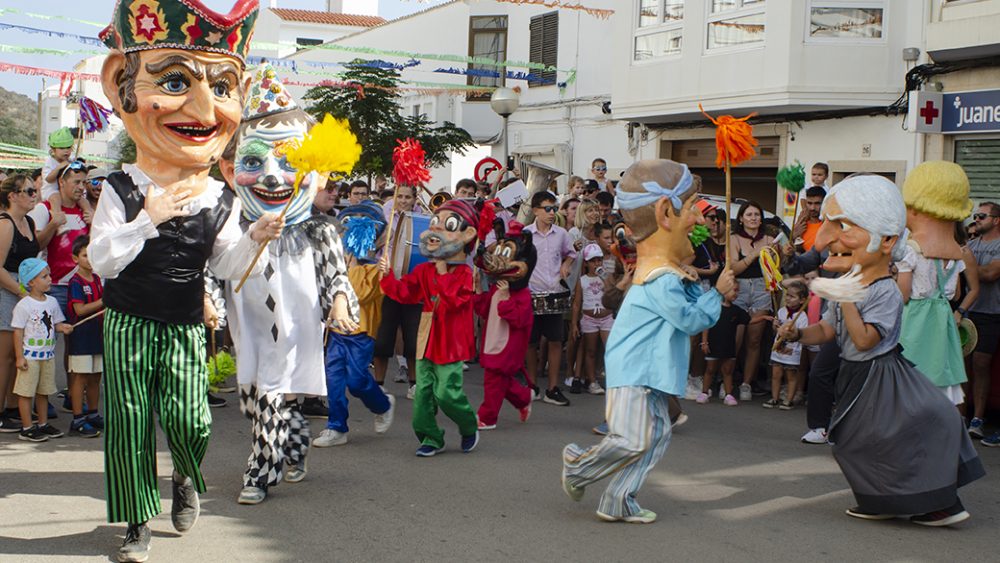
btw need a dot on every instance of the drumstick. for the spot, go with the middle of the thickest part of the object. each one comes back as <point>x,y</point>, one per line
<point>90,318</point>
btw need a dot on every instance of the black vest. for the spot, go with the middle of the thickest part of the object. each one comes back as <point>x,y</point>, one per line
<point>166,281</point>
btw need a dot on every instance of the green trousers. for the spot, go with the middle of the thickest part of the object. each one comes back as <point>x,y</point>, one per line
<point>440,386</point>
<point>151,367</point>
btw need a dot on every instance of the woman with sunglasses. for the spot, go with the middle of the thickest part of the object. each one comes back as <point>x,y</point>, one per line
<point>17,243</point>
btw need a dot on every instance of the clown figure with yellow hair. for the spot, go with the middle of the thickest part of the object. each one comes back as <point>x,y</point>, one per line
<point>277,319</point>
<point>936,196</point>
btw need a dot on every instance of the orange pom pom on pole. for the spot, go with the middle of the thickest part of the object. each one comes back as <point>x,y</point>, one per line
<point>735,144</point>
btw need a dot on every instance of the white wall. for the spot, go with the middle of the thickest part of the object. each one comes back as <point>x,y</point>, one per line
<point>785,71</point>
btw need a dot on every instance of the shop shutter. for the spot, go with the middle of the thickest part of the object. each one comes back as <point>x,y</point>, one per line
<point>981,160</point>
<point>544,46</point>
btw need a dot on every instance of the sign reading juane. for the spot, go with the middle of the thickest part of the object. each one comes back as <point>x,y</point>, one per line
<point>957,112</point>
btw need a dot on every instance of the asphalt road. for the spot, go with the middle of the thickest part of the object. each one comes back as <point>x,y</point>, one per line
<point>735,485</point>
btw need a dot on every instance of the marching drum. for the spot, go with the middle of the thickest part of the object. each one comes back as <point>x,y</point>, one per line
<point>551,303</point>
<point>406,242</point>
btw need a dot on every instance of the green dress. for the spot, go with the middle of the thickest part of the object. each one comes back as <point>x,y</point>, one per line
<point>930,337</point>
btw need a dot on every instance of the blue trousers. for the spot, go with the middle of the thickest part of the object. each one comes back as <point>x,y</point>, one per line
<point>347,359</point>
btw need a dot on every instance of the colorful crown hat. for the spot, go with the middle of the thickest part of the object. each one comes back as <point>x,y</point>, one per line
<point>267,95</point>
<point>139,25</point>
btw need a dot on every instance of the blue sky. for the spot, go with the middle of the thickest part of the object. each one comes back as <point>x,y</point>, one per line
<point>100,11</point>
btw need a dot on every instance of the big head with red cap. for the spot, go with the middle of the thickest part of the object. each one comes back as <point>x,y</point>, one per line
<point>452,233</point>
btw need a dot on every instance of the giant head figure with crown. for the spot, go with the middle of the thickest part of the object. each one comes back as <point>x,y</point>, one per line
<point>175,77</point>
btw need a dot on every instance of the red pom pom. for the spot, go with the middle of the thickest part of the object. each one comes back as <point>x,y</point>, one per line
<point>486,217</point>
<point>409,166</point>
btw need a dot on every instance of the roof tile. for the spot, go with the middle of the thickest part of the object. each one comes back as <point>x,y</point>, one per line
<point>331,18</point>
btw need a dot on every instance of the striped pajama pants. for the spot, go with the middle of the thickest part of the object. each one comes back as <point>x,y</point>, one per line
<point>151,367</point>
<point>638,434</point>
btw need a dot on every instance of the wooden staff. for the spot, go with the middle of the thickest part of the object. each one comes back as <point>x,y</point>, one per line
<point>729,222</point>
<point>392,221</point>
<point>295,192</point>
<point>779,340</point>
<point>90,318</point>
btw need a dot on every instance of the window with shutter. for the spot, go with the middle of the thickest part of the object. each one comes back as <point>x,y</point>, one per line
<point>487,39</point>
<point>981,160</point>
<point>544,47</point>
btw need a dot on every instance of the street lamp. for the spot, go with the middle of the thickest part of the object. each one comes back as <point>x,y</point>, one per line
<point>504,102</point>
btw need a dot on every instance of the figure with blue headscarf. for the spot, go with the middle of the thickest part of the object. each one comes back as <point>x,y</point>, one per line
<point>350,352</point>
<point>662,310</point>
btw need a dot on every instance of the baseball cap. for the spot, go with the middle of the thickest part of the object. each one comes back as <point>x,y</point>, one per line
<point>97,174</point>
<point>705,207</point>
<point>592,251</point>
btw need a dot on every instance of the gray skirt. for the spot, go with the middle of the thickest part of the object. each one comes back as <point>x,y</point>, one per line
<point>7,302</point>
<point>899,441</point>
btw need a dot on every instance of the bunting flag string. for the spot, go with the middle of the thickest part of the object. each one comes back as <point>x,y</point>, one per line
<point>5,11</point>
<point>81,38</point>
<point>426,87</point>
<point>47,51</point>
<point>481,61</point>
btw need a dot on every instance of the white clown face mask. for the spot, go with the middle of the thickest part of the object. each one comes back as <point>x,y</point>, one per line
<point>265,180</point>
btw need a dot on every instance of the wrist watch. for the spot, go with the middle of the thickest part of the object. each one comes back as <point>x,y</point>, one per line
<point>963,311</point>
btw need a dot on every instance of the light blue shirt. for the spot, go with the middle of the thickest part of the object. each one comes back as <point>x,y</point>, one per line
<point>650,343</point>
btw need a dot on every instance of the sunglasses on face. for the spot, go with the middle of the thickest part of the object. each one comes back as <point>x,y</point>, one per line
<point>600,168</point>
<point>95,182</point>
<point>30,191</point>
<point>981,216</point>
<point>549,208</point>
<point>75,166</point>
<point>711,217</point>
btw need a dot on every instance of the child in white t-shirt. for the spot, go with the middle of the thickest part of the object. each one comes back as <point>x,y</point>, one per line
<point>786,359</point>
<point>36,320</point>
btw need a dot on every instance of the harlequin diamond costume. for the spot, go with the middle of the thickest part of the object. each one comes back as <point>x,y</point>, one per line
<point>277,319</point>
<point>508,318</point>
<point>445,338</point>
<point>173,76</point>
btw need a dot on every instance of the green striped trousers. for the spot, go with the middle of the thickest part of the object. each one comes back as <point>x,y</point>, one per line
<point>149,367</point>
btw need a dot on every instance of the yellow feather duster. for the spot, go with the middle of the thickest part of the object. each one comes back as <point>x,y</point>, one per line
<point>329,147</point>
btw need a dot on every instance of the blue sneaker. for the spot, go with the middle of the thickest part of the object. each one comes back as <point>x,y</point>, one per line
<point>83,428</point>
<point>96,420</point>
<point>601,429</point>
<point>976,428</point>
<point>428,451</point>
<point>469,443</point>
<point>991,442</point>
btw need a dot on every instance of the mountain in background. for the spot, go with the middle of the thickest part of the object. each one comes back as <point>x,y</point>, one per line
<point>18,119</point>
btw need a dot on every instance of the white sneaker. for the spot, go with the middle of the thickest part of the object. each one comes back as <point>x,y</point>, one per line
<point>384,421</point>
<point>536,394</point>
<point>568,382</point>
<point>465,366</point>
<point>722,391</point>
<point>746,393</point>
<point>409,392</point>
<point>330,437</point>
<point>401,375</point>
<point>252,495</point>
<point>815,436</point>
<point>681,419</point>
<point>595,388</point>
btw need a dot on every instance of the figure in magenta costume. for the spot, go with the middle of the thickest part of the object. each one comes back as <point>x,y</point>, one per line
<point>508,315</point>
<point>898,439</point>
<point>277,319</point>
<point>173,76</point>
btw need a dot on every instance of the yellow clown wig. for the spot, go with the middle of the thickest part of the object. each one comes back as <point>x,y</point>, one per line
<point>939,189</point>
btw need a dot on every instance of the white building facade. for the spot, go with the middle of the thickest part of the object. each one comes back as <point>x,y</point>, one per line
<point>823,76</point>
<point>560,121</point>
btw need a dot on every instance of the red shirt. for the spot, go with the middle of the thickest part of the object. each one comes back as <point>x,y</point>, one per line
<point>60,249</point>
<point>452,338</point>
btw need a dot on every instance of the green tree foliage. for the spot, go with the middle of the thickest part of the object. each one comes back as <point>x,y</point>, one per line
<point>372,108</point>
<point>18,119</point>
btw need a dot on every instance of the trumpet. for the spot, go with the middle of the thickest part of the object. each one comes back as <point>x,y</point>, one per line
<point>436,199</point>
